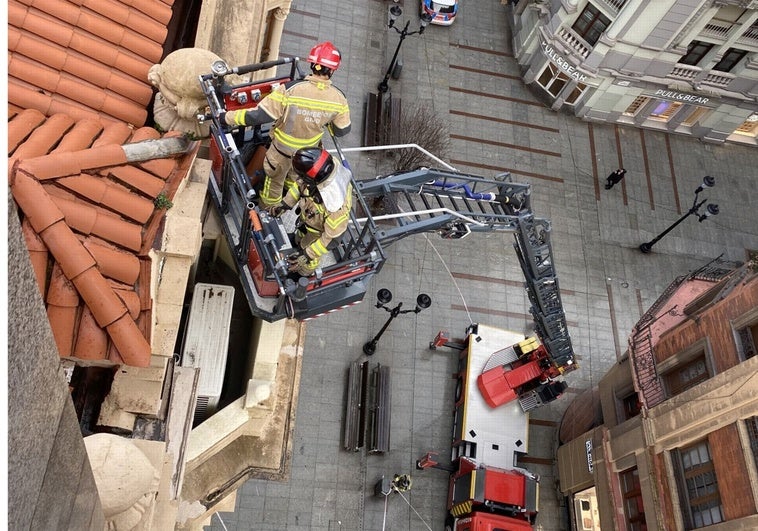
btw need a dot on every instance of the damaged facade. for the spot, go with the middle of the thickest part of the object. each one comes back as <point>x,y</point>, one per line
<point>673,439</point>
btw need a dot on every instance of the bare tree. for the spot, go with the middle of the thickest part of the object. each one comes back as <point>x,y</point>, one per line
<point>420,125</point>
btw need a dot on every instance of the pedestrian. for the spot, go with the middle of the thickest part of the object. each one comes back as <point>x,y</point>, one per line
<point>299,109</point>
<point>614,178</point>
<point>324,196</point>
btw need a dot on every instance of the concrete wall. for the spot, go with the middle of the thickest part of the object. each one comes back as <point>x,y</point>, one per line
<point>50,481</point>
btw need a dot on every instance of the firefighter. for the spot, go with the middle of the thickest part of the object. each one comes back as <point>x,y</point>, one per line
<point>299,109</point>
<point>401,483</point>
<point>324,196</point>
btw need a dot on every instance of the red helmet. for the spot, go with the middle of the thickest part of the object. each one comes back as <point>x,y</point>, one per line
<point>313,164</point>
<point>326,55</point>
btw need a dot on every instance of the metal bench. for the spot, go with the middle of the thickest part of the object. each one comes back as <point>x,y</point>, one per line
<point>379,437</point>
<point>380,126</point>
<point>355,410</point>
<point>371,120</point>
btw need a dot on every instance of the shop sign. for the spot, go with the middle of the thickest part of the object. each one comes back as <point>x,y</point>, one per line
<point>588,446</point>
<point>680,96</point>
<point>562,63</point>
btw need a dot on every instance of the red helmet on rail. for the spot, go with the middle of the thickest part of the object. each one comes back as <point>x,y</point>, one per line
<point>326,56</point>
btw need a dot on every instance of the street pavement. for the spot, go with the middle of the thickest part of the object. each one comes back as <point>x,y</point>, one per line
<point>467,75</point>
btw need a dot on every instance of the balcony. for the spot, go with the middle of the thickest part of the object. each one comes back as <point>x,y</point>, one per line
<point>746,4</point>
<point>613,6</point>
<point>574,42</point>
<point>718,79</point>
<point>750,37</point>
<point>691,73</point>
<point>685,72</point>
<point>717,30</point>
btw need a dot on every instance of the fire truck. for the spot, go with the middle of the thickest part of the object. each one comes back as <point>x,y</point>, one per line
<point>488,490</point>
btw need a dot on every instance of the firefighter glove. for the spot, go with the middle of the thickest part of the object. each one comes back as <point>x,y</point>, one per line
<point>296,261</point>
<point>278,209</point>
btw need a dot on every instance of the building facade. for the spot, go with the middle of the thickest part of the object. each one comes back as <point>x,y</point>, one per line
<point>674,445</point>
<point>682,66</point>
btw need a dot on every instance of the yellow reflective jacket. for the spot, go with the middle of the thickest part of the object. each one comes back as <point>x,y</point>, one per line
<point>302,109</point>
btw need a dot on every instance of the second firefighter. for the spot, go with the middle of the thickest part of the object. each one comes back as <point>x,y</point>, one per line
<point>324,197</point>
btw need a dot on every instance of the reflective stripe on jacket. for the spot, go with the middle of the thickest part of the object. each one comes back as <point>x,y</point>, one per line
<point>302,109</point>
<point>321,225</point>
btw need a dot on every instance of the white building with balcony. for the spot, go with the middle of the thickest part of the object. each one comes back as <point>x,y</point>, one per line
<point>682,66</point>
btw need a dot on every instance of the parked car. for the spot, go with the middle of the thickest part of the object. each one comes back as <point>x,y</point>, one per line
<point>443,12</point>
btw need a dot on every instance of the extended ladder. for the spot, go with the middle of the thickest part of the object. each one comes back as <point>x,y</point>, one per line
<point>455,204</point>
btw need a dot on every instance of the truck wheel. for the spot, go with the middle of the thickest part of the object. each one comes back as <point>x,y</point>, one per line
<point>449,523</point>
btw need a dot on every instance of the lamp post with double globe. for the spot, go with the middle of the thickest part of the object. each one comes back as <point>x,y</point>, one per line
<point>395,12</point>
<point>710,210</point>
<point>384,296</point>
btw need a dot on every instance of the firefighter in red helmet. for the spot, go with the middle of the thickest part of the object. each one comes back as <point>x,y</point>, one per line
<point>325,198</point>
<point>299,109</point>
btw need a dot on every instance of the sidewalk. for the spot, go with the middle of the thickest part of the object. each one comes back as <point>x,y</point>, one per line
<point>467,75</point>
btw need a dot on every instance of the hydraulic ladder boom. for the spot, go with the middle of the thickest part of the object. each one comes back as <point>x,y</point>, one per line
<point>455,204</point>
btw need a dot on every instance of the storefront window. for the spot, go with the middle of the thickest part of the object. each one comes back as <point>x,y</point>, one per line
<point>552,80</point>
<point>586,514</point>
<point>576,93</point>
<point>636,105</point>
<point>749,127</point>
<point>665,110</point>
<point>696,114</point>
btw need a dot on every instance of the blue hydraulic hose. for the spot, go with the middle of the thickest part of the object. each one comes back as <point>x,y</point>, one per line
<point>489,196</point>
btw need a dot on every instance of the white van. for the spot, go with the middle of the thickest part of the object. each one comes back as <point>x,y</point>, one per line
<point>442,11</point>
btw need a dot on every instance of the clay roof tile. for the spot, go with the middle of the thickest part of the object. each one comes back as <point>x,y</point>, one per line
<point>72,163</point>
<point>115,264</point>
<point>44,138</point>
<point>80,136</point>
<point>155,10</point>
<point>114,133</point>
<point>130,18</point>
<point>101,192</point>
<point>84,65</point>
<point>88,220</point>
<point>91,340</point>
<point>21,125</point>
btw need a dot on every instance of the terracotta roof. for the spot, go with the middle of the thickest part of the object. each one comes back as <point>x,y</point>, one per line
<point>85,58</point>
<point>89,221</point>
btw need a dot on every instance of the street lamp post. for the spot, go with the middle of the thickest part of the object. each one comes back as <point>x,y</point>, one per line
<point>395,12</point>
<point>710,210</point>
<point>423,301</point>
